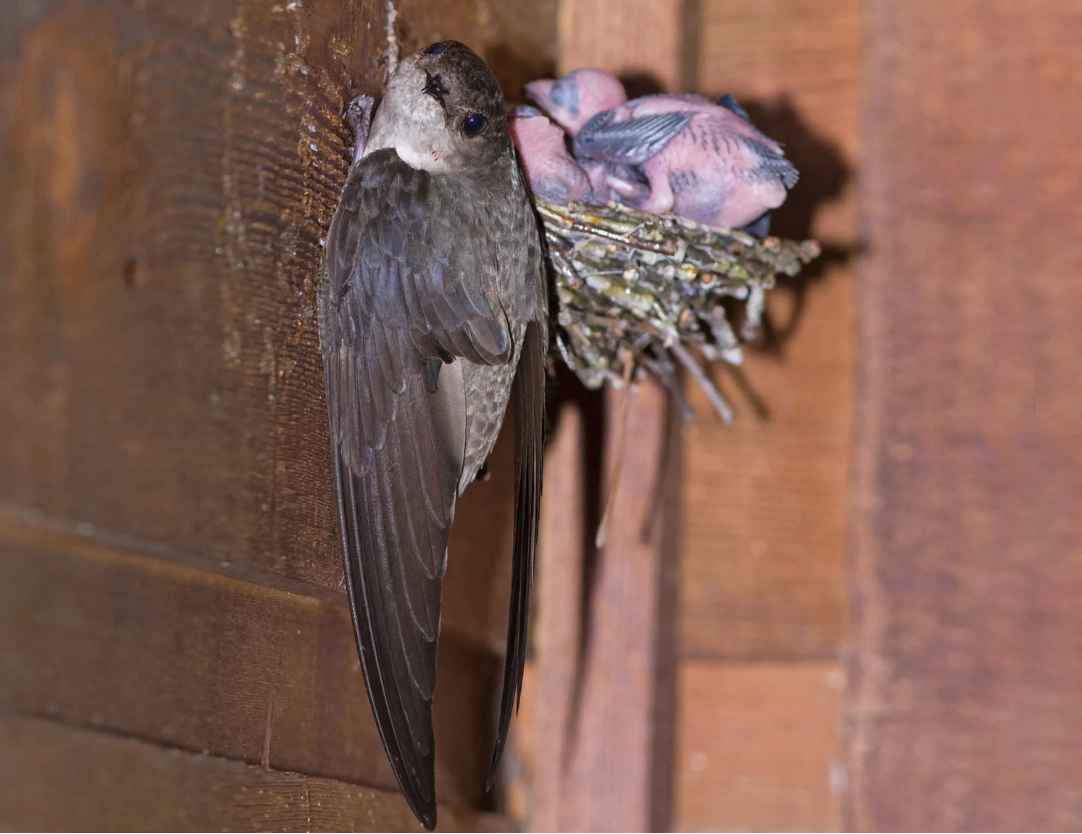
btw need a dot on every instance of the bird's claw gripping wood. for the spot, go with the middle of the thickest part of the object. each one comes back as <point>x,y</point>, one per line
<point>358,116</point>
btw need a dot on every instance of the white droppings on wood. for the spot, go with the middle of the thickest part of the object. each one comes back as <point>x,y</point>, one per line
<point>392,40</point>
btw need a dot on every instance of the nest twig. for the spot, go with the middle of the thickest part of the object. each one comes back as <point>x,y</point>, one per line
<point>642,288</point>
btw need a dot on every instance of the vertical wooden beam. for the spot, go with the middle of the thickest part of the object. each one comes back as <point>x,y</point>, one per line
<point>558,620</point>
<point>967,537</point>
<point>606,627</point>
<point>763,592</point>
<point>606,632</point>
<point>764,550</point>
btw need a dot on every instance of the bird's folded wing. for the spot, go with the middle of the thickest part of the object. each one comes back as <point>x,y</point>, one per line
<point>769,161</point>
<point>632,141</point>
<point>395,518</point>
<point>390,311</point>
<point>528,396</point>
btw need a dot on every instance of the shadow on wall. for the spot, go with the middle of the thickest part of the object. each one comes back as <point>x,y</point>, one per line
<point>824,176</point>
<point>514,70</point>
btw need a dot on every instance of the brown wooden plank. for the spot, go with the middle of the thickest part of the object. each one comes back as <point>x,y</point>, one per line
<point>159,651</point>
<point>763,559</point>
<point>558,625</point>
<point>756,746</point>
<point>168,171</point>
<point>968,453</point>
<point>60,778</point>
<point>601,733</point>
<point>639,41</point>
<point>609,759</point>
<point>602,741</point>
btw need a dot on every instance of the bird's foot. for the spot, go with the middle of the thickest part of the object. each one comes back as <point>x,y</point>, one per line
<point>759,227</point>
<point>359,117</point>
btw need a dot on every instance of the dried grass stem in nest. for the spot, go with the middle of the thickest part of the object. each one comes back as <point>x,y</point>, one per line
<point>642,288</point>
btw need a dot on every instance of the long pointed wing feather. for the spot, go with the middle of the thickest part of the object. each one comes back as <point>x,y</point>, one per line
<point>395,543</point>
<point>630,142</point>
<point>529,397</point>
<point>392,310</point>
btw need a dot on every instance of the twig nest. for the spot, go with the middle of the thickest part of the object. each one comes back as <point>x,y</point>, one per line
<point>640,288</point>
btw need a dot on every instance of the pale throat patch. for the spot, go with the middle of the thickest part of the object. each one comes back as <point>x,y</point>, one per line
<point>422,157</point>
<point>407,135</point>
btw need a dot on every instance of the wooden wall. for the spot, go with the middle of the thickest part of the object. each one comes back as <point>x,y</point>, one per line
<point>967,535</point>
<point>172,635</point>
<point>857,607</point>
<point>763,603</point>
<point>740,627</point>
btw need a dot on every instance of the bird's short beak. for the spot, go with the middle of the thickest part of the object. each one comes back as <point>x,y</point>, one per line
<point>539,92</point>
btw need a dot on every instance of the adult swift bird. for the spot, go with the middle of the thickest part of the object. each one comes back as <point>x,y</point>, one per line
<point>432,307</point>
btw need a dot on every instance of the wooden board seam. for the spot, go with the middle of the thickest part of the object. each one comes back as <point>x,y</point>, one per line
<point>306,779</point>
<point>763,659</point>
<point>27,525</point>
<point>30,527</point>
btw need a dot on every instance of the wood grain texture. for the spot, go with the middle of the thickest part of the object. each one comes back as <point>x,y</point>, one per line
<point>601,743</point>
<point>639,41</point>
<point>169,170</point>
<point>966,530</point>
<point>167,534</point>
<point>140,647</point>
<point>557,636</point>
<point>756,746</point>
<point>59,778</point>
<point>601,736</point>
<point>763,558</point>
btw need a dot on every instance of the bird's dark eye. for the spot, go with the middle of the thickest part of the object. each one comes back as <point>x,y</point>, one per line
<point>474,123</point>
<point>436,49</point>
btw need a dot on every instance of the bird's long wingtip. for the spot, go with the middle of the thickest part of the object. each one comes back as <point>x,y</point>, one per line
<point>427,817</point>
<point>493,768</point>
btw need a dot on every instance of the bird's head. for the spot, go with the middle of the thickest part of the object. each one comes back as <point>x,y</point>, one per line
<point>443,111</point>
<point>574,99</point>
